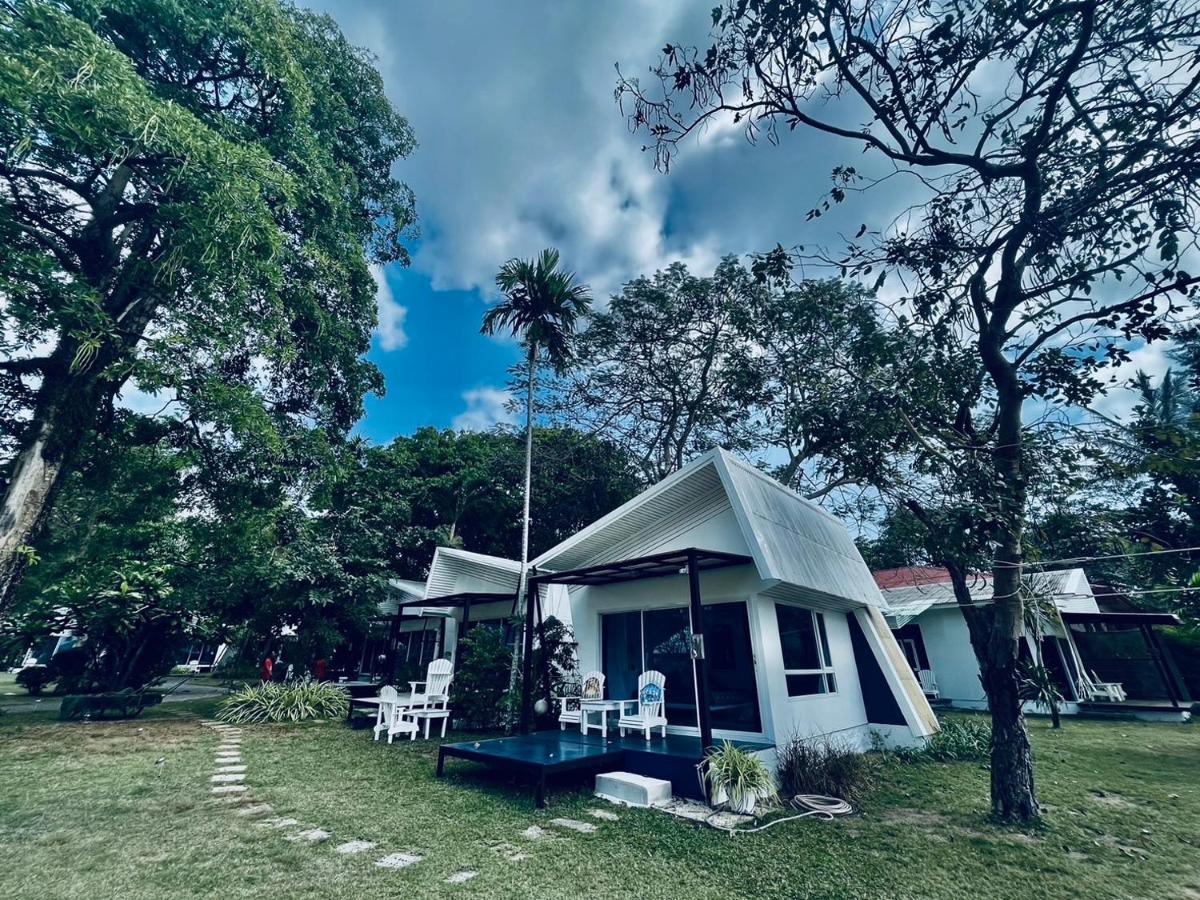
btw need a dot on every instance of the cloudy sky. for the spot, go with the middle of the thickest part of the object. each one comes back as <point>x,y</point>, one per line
<point>523,146</point>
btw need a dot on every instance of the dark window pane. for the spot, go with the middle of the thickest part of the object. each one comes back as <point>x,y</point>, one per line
<point>797,637</point>
<point>621,653</point>
<point>824,639</point>
<point>668,647</point>
<point>830,684</point>
<point>733,695</point>
<point>802,685</point>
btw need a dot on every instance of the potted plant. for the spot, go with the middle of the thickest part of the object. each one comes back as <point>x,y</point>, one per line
<point>737,778</point>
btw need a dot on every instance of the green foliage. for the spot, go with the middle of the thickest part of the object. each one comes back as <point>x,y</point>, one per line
<point>478,694</point>
<point>291,701</point>
<point>194,194</point>
<point>542,305</point>
<point>958,740</point>
<point>1038,686</point>
<point>825,767</point>
<point>737,773</point>
<point>128,614</point>
<point>33,679</point>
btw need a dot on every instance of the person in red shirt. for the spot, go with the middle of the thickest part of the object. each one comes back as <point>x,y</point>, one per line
<point>319,668</point>
<point>267,666</point>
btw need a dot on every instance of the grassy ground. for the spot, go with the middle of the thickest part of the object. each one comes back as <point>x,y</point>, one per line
<point>86,812</point>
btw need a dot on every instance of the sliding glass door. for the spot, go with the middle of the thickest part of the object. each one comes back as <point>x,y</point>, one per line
<point>633,642</point>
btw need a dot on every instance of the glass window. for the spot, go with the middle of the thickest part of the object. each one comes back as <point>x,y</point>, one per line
<point>805,644</point>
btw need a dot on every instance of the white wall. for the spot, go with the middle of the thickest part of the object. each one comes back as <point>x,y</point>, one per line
<point>948,645</point>
<point>841,713</point>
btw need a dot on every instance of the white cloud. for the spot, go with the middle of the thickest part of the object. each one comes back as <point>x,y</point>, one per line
<point>1152,359</point>
<point>390,328</point>
<point>485,409</point>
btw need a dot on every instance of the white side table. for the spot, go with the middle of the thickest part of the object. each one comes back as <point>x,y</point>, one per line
<point>601,708</point>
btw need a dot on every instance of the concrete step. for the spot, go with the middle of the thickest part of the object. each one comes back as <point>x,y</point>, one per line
<point>632,790</point>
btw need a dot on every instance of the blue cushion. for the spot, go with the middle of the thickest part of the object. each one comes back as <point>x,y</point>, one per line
<point>651,693</point>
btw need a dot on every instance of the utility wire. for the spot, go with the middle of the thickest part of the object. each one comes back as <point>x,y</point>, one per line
<point>1085,559</point>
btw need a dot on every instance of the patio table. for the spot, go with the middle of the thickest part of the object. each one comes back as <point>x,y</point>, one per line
<point>603,708</point>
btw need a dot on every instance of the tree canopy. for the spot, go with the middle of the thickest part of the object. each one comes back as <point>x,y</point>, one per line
<point>190,197</point>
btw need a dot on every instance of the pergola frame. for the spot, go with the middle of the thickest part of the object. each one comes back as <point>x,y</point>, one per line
<point>690,562</point>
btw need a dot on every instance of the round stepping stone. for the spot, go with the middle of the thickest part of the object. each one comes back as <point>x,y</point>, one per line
<point>603,815</point>
<point>398,861</point>
<point>228,770</point>
<point>574,825</point>
<point>256,809</point>
<point>310,836</point>
<point>229,789</point>
<point>225,779</point>
<point>461,877</point>
<point>352,847</point>
<point>534,833</point>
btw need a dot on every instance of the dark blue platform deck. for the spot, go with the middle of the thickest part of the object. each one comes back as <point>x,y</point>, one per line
<point>548,753</point>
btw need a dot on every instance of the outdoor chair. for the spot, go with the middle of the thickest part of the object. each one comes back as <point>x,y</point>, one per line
<point>1107,691</point>
<point>646,712</point>
<point>388,697</point>
<point>570,712</point>
<point>430,700</point>
<point>929,685</point>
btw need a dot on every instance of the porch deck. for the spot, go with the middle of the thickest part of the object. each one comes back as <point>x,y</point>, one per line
<point>545,754</point>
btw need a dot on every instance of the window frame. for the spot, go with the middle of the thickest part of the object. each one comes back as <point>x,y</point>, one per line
<point>827,674</point>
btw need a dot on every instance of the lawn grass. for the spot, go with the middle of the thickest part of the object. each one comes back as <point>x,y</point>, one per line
<point>86,812</point>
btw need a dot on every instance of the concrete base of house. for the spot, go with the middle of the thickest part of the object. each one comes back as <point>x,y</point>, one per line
<point>1143,711</point>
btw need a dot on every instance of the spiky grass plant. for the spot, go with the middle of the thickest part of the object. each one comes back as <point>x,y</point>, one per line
<point>292,701</point>
<point>737,774</point>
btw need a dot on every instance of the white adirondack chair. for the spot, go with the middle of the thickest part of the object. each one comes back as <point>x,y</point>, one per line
<point>388,696</point>
<point>646,712</point>
<point>430,700</point>
<point>569,710</point>
<point>1095,689</point>
<point>929,685</point>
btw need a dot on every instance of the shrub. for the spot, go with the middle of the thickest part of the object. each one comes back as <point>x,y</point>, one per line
<point>477,695</point>
<point>33,679</point>
<point>829,768</point>
<point>960,740</point>
<point>291,701</point>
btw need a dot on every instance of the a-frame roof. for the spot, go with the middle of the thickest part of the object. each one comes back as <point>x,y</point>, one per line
<point>461,571</point>
<point>798,548</point>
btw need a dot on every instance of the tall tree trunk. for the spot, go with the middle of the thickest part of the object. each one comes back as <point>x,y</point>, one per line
<point>67,407</point>
<point>514,673</point>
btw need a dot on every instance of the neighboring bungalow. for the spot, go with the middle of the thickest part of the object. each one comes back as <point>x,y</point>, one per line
<point>1104,661</point>
<point>471,590</point>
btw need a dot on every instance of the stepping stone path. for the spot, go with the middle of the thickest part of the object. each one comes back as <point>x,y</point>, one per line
<point>351,848</point>
<point>534,833</point>
<point>227,770</point>
<point>229,789</point>
<point>461,877</point>
<point>310,836</point>
<point>574,825</point>
<point>228,777</point>
<point>256,809</point>
<point>278,823</point>
<point>398,861</point>
<point>603,815</point>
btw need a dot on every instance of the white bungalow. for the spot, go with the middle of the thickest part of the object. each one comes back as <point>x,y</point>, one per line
<point>471,590</point>
<point>754,603</point>
<point>1103,661</point>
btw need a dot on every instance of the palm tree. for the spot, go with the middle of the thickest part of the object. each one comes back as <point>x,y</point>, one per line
<point>542,304</point>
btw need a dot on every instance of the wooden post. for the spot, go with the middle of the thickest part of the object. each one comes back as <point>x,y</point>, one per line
<point>698,653</point>
<point>527,660</point>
